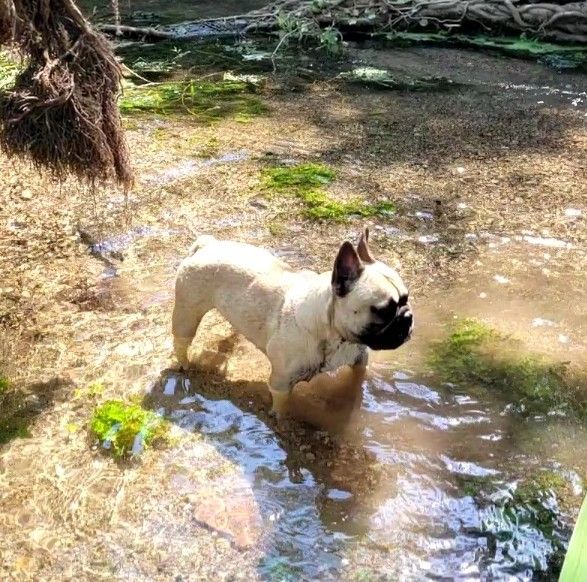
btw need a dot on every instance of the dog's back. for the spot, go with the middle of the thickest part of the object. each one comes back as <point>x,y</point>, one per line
<point>244,282</point>
<point>201,241</point>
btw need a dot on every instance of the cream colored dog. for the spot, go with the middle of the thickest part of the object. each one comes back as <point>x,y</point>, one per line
<point>303,321</point>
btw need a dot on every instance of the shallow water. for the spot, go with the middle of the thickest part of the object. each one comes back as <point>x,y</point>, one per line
<point>422,480</point>
<point>448,464</point>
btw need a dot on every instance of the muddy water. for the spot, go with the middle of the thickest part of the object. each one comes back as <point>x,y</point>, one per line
<point>422,481</point>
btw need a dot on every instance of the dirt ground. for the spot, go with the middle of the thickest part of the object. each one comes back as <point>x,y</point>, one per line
<point>467,169</point>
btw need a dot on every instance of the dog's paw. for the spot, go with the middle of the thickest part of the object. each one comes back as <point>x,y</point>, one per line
<point>280,403</point>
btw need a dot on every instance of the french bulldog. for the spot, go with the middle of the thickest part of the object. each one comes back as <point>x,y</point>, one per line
<point>304,322</point>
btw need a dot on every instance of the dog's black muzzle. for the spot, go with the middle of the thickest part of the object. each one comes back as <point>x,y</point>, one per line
<point>392,335</point>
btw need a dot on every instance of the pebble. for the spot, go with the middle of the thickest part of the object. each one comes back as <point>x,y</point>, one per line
<point>26,194</point>
<point>540,322</point>
<point>256,203</point>
<point>573,213</point>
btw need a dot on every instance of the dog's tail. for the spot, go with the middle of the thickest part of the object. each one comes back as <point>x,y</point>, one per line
<point>201,241</point>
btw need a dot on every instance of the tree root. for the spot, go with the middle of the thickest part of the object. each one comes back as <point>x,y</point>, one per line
<point>62,112</point>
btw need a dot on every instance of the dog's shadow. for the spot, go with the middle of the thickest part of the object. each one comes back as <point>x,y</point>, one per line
<point>320,443</point>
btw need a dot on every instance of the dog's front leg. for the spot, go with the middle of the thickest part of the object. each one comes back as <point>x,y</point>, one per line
<point>280,388</point>
<point>280,381</point>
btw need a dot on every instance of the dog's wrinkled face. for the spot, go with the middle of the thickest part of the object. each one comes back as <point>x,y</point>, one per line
<point>370,299</point>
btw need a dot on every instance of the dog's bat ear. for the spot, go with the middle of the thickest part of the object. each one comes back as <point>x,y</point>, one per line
<point>363,247</point>
<point>347,269</point>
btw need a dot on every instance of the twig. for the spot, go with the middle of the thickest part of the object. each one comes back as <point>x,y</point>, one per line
<point>274,53</point>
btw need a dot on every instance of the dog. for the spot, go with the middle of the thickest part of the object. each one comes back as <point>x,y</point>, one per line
<point>304,322</point>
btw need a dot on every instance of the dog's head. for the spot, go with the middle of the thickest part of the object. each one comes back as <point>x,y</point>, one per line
<point>370,299</point>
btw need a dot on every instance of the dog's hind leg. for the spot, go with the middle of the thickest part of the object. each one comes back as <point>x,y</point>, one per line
<point>185,321</point>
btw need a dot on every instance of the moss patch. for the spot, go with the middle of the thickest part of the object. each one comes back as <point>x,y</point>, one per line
<point>307,181</point>
<point>474,352</point>
<point>521,47</point>
<point>205,100</point>
<point>126,428</point>
<point>303,177</point>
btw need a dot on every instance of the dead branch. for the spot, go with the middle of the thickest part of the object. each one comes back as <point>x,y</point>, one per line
<point>553,20</point>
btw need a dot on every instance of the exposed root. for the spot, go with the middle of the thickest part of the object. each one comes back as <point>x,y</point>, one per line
<point>62,112</point>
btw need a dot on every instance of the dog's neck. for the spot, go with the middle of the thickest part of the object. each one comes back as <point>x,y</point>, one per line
<point>312,316</point>
<point>316,316</point>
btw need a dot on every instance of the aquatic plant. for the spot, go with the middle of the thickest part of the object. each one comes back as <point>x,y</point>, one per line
<point>205,100</point>
<point>166,59</point>
<point>306,182</point>
<point>383,79</point>
<point>519,46</point>
<point>474,352</point>
<point>126,428</point>
<point>535,504</point>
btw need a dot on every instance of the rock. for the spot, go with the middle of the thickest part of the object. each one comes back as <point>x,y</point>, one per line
<point>26,194</point>
<point>256,203</point>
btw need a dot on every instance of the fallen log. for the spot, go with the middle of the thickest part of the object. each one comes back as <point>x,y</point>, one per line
<point>562,22</point>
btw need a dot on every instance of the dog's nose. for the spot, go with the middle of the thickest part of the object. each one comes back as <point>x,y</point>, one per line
<point>404,313</point>
<point>406,318</point>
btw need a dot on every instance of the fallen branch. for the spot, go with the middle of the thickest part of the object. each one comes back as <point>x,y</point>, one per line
<point>559,22</point>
